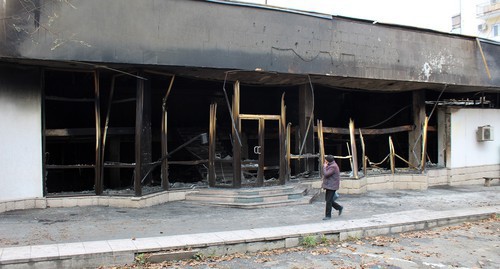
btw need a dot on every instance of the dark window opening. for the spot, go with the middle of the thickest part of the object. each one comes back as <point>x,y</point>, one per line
<point>70,128</point>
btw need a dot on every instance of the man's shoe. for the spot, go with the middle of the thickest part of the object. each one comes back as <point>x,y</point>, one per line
<point>340,210</point>
<point>327,218</point>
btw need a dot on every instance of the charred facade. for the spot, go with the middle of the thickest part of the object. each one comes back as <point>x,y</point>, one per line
<point>239,96</point>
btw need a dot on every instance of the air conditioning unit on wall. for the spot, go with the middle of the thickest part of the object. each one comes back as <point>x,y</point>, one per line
<point>482,27</point>
<point>484,133</point>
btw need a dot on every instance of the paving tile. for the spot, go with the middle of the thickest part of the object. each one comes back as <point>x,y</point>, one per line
<point>92,247</point>
<point>147,244</point>
<point>44,252</point>
<point>363,223</point>
<point>232,237</point>
<point>260,233</point>
<point>16,253</point>
<point>320,228</point>
<point>122,245</point>
<point>282,232</point>
<point>332,226</point>
<point>238,236</point>
<point>402,220</point>
<point>334,223</point>
<point>174,241</point>
<point>71,249</point>
<point>270,233</point>
<point>201,239</point>
<point>307,229</point>
<point>247,235</point>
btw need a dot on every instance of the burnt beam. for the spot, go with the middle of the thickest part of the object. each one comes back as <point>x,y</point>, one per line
<point>165,183</point>
<point>415,135</point>
<point>143,136</point>
<point>236,135</point>
<point>98,159</point>
<point>211,145</point>
<point>306,126</point>
<point>345,131</point>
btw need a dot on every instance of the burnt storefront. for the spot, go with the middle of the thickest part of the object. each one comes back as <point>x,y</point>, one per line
<point>240,96</point>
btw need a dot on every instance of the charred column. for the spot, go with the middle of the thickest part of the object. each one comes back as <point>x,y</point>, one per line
<point>282,142</point>
<point>415,136</point>
<point>236,137</point>
<point>98,159</point>
<point>306,125</point>
<point>142,133</point>
<point>211,145</point>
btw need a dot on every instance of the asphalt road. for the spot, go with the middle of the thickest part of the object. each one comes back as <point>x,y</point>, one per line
<point>468,245</point>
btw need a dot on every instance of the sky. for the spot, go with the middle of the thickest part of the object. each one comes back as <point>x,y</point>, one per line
<point>429,14</point>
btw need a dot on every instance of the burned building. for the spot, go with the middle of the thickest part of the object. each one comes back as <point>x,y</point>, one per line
<point>130,98</point>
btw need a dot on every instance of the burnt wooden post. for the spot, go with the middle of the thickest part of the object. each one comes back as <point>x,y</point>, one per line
<point>44,138</point>
<point>321,147</point>
<point>98,141</point>
<point>444,136</point>
<point>354,151</point>
<point>424,143</point>
<point>236,134</point>
<point>363,152</point>
<point>306,118</point>
<point>165,183</point>
<point>282,142</point>
<point>288,150</point>
<point>392,160</point>
<point>138,134</point>
<point>114,146</point>
<point>211,145</point>
<point>415,135</point>
<point>260,171</point>
<point>142,133</point>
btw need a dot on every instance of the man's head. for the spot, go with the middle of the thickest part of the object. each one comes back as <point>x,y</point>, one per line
<point>329,158</point>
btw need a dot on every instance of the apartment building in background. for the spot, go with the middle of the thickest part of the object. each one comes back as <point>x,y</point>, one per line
<point>479,18</point>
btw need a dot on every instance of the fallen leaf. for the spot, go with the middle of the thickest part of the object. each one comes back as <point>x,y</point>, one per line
<point>321,251</point>
<point>262,260</point>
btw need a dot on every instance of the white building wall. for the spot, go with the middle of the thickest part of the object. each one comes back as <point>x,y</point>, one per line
<point>466,151</point>
<point>469,19</point>
<point>20,135</point>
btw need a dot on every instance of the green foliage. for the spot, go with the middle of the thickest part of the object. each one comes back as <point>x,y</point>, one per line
<point>309,241</point>
<point>323,239</point>
<point>140,258</point>
<point>199,256</point>
<point>352,238</point>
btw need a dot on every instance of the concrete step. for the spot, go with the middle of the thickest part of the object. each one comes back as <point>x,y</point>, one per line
<point>245,198</point>
<point>264,191</point>
<point>253,197</point>
<point>254,205</point>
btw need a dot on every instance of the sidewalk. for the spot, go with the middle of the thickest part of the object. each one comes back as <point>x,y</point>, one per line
<point>92,236</point>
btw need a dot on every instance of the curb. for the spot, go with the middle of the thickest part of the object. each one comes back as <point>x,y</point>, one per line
<point>123,251</point>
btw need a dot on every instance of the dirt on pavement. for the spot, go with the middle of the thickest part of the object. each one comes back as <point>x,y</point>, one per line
<point>468,245</point>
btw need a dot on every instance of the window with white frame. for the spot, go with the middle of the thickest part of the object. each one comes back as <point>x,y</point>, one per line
<point>496,29</point>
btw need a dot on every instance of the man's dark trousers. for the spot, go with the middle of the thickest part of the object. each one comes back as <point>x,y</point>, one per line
<point>330,203</point>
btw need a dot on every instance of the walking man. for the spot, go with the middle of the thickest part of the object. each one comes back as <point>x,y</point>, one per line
<point>331,182</point>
